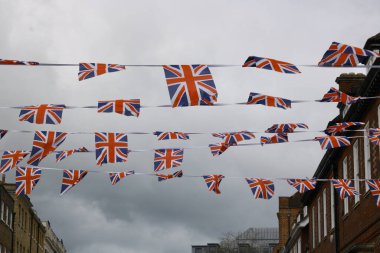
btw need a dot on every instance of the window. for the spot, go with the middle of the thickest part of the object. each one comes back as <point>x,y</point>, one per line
<point>367,158</point>
<point>313,226</point>
<point>319,219</point>
<point>355,157</point>
<point>345,201</point>
<point>332,206</point>
<point>6,211</point>
<point>324,213</point>
<point>2,211</point>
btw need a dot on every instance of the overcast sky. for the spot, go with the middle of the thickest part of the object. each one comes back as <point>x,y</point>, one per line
<point>139,214</point>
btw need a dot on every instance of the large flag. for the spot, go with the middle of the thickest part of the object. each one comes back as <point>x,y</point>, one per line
<point>260,99</point>
<point>167,158</point>
<point>374,186</point>
<point>89,70</point>
<point>345,188</point>
<point>341,127</point>
<point>115,177</point>
<point>328,142</point>
<point>232,138</point>
<point>26,179</point>
<point>335,95</point>
<point>277,138</point>
<point>44,143</point>
<point>163,177</point>
<point>190,85</point>
<point>71,178</point>
<point>171,135</point>
<point>213,182</point>
<point>261,188</point>
<point>271,64</point>
<point>42,114</point>
<point>16,62</point>
<point>11,158</point>
<point>286,127</point>
<point>303,185</point>
<point>60,155</point>
<point>111,147</point>
<point>130,107</point>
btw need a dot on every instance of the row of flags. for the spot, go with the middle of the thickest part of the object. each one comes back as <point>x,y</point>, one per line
<point>52,113</point>
<point>28,177</point>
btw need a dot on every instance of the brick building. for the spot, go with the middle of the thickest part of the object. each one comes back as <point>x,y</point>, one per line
<point>52,243</point>
<point>6,220</point>
<point>353,224</point>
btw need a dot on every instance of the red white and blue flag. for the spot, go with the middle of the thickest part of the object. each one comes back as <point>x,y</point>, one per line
<point>286,127</point>
<point>342,55</point>
<point>261,188</point>
<point>335,95</point>
<point>328,142</point>
<point>11,158</point>
<point>341,127</point>
<point>232,138</point>
<point>345,188</point>
<point>163,177</point>
<point>218,149</point>
<point>89,70</point>
<point>167,158</point>
<point>303,185</point>
<point>60,155</point>
<point>16,62</point>
<point>44,143</point>
<point>115,177</point>
<point>374,136</point>
<point>213,182</point>
<point>26,179</point>
<point>277,138</point>
<point>111,147</point>
<point>171,135</point>
<point>374,187</point>
<point>271,64</point>
<point>190,85</point>
<point>3,133</point>
<point>130,107</point>
<point>71,178</point>
<point>260,99</point>
<point>42,114</point>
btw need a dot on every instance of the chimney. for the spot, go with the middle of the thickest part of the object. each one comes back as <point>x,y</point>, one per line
<point>3,178</point>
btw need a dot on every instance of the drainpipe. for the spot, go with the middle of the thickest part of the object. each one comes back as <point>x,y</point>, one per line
<point>336,211</point>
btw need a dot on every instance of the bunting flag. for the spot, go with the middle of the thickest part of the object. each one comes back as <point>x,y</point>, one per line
<point>163,177</point>
<point>44,143</point>
<point>261,188</point>
<point>260,99</point>
<point>374,136</point>
<point>26,179</point>
<point>271,64</point>
<point>115,177</point>
<point>111,147</point>
<point>42,114</point>
<point>328,142</point>
<point>130,107</point>
<point>60,155</point>
<point>277,138</point>
<point>345,188</point>
<point>341,55</point>
<point>190,85</point>
<point>218,149</point>
<point>90,70</point>
<point>341,127</point>
<point>213,182</point>
<point>171,136</point>
<point>285,128</point>
<point>15,62</point>
<point>335,95</point>
<point>374,186</point>
<point>232,138</point>
<point>11,158</point>
<point>71,178</point>
<point>3,133</point>
<point>167,158</point>
<point>302,185</point>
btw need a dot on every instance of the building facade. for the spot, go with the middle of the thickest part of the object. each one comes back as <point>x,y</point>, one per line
<point>52,243</point>
<point>6,220</point>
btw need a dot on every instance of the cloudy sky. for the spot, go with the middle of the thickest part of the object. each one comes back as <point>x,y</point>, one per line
<point>140,214</point>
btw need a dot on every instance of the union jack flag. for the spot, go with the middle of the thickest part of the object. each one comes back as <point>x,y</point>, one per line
<point>335,95</point>
<point>171,136</point>
<point>277,138</point>
<point>213,182</point>
<point>303,185</point>
<point>271,64</point>
<point>218,149</point>
<point>342,55</point>
<point>261,188</point>
<point>11,158</point>
<point>345,188</point>
<point>340,127</point>
<point>285,128</point>
<point>374,135</point>
<point>26,179</point>
<point>111,147</point>
<point>115,177</point>
<point>89,70</point>
<point>167,158</point>
<point>3,133</point>
<point>60,155</point>
<point>44,143</point>
<point>42,114</point>
<point>257,98</point>
<point>190,85</point>
<point>71,178</point>
<point>162,177</point>
<point>374,186</point>
<point>15,62</point>
<point>232,138</point>
<point>328,142</point>
<point>129,107</point>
